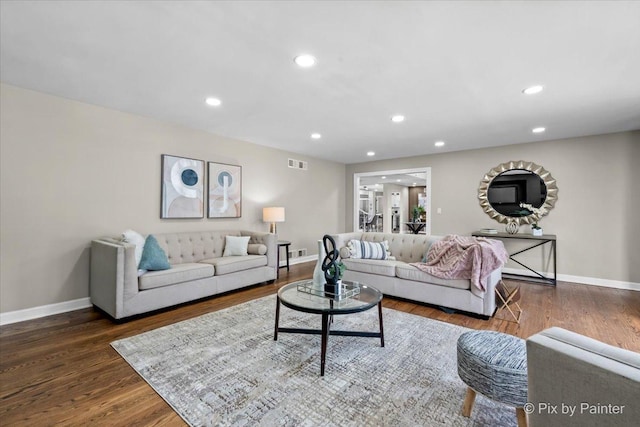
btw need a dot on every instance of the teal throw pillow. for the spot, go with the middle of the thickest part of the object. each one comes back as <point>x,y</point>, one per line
<point>153,257</point>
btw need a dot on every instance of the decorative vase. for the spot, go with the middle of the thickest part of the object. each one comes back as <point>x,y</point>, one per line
<point>536,231</point>
<point>512,227</point>
<point>334,288</point>
<point>318,274</point>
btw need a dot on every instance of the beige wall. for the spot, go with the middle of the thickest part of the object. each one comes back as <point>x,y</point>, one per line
<point>71,172</point>
<point>595,218</point>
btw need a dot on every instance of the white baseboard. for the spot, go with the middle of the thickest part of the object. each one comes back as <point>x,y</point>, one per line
<point>43,310</point>
<point>607,283</point>
<point>303,259</point>
<point>298,260</point>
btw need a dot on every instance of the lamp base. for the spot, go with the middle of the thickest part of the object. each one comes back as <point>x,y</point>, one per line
<point>272,228</point>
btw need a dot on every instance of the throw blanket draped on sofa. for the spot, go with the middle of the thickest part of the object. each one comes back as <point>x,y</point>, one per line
<point>464,257</point>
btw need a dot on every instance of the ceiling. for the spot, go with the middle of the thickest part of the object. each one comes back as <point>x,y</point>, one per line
<point>455,70</point>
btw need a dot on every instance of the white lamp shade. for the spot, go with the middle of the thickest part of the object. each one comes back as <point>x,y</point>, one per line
<point>275,214</point>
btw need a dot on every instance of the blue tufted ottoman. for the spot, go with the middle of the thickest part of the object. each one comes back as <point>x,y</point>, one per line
<point>495,365</point>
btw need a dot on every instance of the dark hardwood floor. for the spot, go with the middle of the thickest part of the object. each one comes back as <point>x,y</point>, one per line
<point>61,369</point>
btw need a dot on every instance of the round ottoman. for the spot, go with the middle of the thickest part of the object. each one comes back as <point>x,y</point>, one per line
<point>495,365</point>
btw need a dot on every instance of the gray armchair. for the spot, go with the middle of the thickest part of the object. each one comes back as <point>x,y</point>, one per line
<point>578,381</point>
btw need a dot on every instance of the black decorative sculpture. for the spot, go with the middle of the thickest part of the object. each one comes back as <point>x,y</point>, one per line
<point>330,265</point>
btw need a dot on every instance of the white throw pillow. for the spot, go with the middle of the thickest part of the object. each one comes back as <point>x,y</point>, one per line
<point>235,246</point>
<point>137,239</point>
<point>369,250</point>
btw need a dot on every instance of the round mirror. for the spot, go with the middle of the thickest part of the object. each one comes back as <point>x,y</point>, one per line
<point>509,191</point>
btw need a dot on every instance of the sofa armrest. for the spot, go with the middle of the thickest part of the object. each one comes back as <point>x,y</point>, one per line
<point>113,275</point>
<point>269,240</point>
<point>597,384</point>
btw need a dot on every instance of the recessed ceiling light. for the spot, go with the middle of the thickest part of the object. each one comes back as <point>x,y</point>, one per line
<point>538,130</point>
<point>397,118</point>
<point>384,177</point>
<point>398,180</point>
<point>439,144</point>
<point>316,136</point>
<point>533,90</point>
<point>214,102</point>
<point>305,61</point>
<point>371,153</point>
<point>414,184</point>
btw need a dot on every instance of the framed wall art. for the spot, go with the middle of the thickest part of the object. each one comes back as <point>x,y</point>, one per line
<point>225,190</point>
<point>182,187</point>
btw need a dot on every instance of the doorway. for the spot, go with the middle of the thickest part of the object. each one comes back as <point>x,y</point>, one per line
<point>384,200</point>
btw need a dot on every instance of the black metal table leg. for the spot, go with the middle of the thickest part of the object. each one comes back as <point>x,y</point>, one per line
<point>555,262</point>
<point>325,336</point>
<point>275,332</point>
<point>381,325</point>
<point>286,248</point>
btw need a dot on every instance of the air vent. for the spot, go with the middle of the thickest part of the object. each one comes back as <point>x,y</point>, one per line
<point>298,164</point>
<point>297,253</point>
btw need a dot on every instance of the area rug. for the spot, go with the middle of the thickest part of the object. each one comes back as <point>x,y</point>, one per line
<point>224,368</point>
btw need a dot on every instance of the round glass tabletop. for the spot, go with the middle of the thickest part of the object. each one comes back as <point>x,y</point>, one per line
<point>314,302</point>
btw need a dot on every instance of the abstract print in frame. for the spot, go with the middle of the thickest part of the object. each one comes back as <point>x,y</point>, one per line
<point>225,190</point>
<point>182,187</point>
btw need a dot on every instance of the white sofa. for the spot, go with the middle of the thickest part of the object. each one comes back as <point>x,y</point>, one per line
<point>398,278</point>
<point>198,270</point>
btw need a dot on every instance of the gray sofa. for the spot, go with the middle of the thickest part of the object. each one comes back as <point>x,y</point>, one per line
<point>198,270</point>
<point>398,278</point>
<point>578,381</point>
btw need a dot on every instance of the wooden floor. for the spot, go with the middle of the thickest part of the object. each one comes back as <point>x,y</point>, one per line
<point>61,369</point>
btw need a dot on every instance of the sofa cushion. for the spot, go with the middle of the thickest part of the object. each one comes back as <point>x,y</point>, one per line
<point>372,266</point>
<point>409,272</point>
<point>153,257</point>
<point>193,247</point>
<point>178,273</point>
<point>344,252</point>
<point>368,250</point>
<point>226,265</point>
<point>256,249</point>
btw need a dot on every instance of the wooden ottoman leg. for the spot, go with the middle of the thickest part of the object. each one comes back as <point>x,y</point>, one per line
<point>522,417</point>
<point>469,400</point>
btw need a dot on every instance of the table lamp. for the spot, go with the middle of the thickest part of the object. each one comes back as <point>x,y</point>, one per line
<point>273,215</point>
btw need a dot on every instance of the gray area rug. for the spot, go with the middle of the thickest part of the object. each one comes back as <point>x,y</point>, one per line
<point>224,368</point>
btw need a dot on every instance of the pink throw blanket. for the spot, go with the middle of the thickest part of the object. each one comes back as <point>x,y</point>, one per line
<point>463,257</point>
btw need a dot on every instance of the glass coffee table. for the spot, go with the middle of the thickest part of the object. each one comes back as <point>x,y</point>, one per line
<point>303,296</point>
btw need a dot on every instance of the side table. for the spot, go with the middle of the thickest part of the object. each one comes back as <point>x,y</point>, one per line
<point>283,244</point>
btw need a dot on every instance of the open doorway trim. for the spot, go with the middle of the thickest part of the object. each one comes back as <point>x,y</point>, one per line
<point>356,191</point>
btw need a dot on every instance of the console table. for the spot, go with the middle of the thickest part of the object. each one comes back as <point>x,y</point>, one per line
<point>535,242</point>
<point>416,227</point>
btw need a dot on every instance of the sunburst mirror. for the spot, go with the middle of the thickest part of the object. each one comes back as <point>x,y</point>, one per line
<point>504,188</point>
